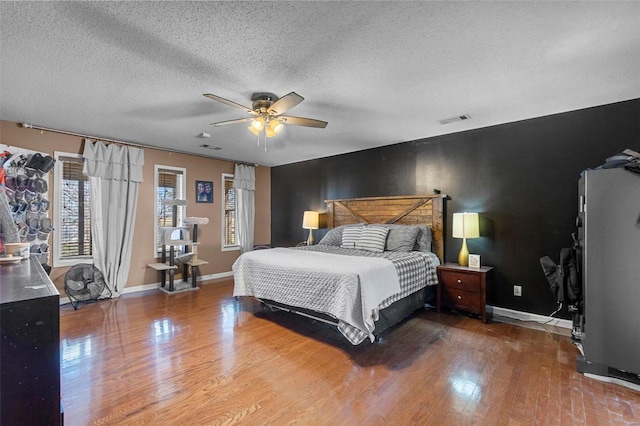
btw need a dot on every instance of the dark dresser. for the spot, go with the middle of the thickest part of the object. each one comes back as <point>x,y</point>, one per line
<point>29,346</point>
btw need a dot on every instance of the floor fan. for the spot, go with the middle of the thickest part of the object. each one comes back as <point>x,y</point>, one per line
<point>84,283</point>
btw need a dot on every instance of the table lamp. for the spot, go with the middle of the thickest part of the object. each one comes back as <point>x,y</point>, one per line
<point>465,225</point>
<point>310,221</point>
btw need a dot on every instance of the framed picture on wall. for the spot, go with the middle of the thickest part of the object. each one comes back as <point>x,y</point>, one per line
<point>204,191</point>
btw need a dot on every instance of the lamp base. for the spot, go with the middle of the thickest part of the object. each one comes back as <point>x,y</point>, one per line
<point>310,239</point>
<point>463,256</point>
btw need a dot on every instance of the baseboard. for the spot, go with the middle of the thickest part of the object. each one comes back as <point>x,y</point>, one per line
<point>614,380</point>
<point>527,316</point>
<point>216,276</point>
<point>144,287</point>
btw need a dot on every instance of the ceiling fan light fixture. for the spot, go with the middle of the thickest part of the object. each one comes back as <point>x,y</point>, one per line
<point>253,130</point>
<point>273,128</point>
<point>258,124</point>
<point>270,133</point>
<point>267,114</point>
<point>277,127</point>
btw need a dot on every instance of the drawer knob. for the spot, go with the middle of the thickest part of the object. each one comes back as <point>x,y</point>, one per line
<point>459,297</point>
<point>459,281</point>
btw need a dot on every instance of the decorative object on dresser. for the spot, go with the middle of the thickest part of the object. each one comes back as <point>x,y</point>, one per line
<point>464,288</point>
<point>474,260</point>
<point>310,221</point>
<point>465,225</point>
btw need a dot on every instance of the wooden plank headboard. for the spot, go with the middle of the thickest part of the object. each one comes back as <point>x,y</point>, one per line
<point>402,210</point>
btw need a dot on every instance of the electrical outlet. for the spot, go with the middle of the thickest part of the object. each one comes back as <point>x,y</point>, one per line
<point>517,290</point>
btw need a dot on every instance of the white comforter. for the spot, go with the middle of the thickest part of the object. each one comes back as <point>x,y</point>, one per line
<point>350,288</point>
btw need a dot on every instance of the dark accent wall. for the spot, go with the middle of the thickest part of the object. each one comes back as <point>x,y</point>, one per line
<point>520,177</point>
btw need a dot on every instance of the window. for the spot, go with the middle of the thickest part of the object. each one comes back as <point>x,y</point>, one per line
<point>229,241</point>
<point>72,239</point>
<point>169,185</point>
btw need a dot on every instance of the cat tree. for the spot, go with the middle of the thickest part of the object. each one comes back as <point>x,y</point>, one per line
<point>189,260</point>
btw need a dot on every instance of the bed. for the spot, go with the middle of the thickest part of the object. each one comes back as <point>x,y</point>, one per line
<point>371,270</point>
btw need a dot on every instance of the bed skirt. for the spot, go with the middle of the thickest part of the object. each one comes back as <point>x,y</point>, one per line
<point>388,317</point>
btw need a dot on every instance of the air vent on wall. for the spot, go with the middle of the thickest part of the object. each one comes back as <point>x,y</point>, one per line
<point>454,119</point>
<point>215,148</point>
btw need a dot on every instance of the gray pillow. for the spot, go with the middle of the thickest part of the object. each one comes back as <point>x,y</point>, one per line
<point>402,237</point>
<point>423,242</point>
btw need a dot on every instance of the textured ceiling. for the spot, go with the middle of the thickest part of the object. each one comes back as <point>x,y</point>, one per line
<point>379,72</point>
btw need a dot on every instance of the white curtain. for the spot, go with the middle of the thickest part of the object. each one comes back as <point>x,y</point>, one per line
<point>244,181</point>
<point>114,174</point>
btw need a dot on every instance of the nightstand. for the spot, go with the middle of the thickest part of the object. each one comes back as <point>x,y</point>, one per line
<point>463,288</point>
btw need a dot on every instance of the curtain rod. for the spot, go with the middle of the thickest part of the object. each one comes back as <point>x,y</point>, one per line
<point>64,132</point>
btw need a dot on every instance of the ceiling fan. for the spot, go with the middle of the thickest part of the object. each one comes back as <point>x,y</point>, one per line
<point>267,112</point>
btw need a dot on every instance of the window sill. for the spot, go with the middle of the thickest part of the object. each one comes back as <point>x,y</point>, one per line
<point>71,262</point>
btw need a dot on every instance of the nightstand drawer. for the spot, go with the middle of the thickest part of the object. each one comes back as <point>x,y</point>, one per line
<point>461,281</point>
<point>467,300</point>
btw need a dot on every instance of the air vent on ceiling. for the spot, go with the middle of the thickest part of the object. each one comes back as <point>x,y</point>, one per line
<point>215,148</point>
<point>454,119</point>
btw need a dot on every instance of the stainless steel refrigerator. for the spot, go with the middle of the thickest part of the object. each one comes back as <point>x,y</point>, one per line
<point>609,237</point>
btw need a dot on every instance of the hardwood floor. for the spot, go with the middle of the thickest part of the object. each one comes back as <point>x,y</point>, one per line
<point>203,358</point>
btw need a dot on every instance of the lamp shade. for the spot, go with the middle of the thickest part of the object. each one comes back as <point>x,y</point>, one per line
<point>273,128</point>
<point>258,124</point>
<point>465,225</point>
<point>253,130</point>
<point>310,220</point>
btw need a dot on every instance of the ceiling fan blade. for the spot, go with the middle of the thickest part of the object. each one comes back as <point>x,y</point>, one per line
<point>301,121</point>
<point>285,103</point>
<point>237,120</point>
<point>230,103</point>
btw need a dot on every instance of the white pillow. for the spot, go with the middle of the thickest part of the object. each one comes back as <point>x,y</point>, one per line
<point>373,238</point>
<point>350,236</point>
